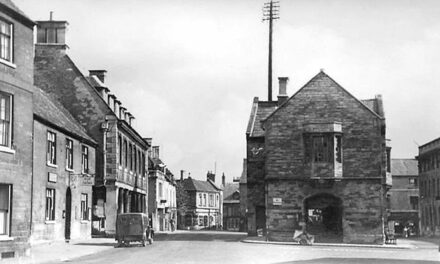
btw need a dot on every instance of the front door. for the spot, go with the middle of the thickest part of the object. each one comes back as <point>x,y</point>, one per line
<point>68,214</point>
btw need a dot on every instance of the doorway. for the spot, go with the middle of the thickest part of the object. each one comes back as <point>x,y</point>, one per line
<point>68,214</point>
<point>324,217</point>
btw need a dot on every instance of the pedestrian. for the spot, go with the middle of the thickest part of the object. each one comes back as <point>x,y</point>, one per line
<point>172,225</point>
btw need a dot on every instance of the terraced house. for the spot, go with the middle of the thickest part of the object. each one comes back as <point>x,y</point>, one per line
<point>16,88</point>
<point>317,161</point>
<point>121,182</point>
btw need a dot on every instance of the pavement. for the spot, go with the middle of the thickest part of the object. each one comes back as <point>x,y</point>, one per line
<point>403,243</point>
<point>60,251</point>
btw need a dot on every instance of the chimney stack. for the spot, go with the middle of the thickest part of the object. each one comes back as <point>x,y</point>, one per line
<point>224,179</point>
<point>181,175</point>
<point>210,176</point>
<point>98,73</point>
<point>51,31</point>
<point>282,95</point>
<point>155,152</point>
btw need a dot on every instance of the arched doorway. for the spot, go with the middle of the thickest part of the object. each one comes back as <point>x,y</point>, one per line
<point>324,217</point>
<point>68,214</point>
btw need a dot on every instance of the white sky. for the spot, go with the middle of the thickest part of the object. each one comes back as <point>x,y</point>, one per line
<point>189,69</point>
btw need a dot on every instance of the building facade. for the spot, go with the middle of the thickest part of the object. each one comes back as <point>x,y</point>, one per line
<point>201,205</point>
<point>404,197</point>
<point>161,194</point>
<point>16,88</point>
<point>63,173</point>
<point>232,220</point>
<point>429,178</point>
<point>121,182</point>
<point>317,161</point>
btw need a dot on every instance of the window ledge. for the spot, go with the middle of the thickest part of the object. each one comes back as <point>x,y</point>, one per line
<point>6,238</point>
<point>8,63</point>
<point>69,170</point>
<point>51,165</point>
<point>49,222</point>
<point>85,221</point>
<point>7,150</point>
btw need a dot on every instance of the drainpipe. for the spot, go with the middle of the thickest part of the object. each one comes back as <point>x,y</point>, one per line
<point>32,179</point>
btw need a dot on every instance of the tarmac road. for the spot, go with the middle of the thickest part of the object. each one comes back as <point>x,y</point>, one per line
<point>225,247</point>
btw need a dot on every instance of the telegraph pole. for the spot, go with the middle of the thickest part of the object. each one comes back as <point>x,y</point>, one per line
<point>270,13</point>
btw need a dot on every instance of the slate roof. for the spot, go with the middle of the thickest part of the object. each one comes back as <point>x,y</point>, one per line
<point>229,189</point>
<point>52,111</point>
<point>191,184</point>
<point>260,110</point>
<point>404,167</point>
<point>14,8</point>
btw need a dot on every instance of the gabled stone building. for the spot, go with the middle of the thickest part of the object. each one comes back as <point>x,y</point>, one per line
<point>121,182</point>
<point>63,165</point>
<point>317,160</point>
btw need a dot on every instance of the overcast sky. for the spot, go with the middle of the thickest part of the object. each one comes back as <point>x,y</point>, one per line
<point>189,69</point>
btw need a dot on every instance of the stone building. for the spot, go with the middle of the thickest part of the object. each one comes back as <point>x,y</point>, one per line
<point>317,160</point>
<point>404,197</point>
<point>232,220</point>
<point>429,178</point>
<point>202,203</point>
<point>16,88</point>
<point>63,173</point>
<point>161,193</point>
<point>121,182</point>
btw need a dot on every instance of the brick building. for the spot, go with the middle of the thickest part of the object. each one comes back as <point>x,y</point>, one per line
<point>63,165</point>
<point>16,88</point>
<point>201,207</point>
<point>317,160</point>
<point>404,197</point>
<point>429,178</point>
<point>121,166</point>
<point>161,193</point>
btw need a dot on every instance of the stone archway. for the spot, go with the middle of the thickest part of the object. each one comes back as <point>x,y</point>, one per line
<point>324,217</point>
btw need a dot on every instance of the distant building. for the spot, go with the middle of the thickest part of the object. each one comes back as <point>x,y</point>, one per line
<point>404,197</point>
<point>121,182</point>
<point>429,178</point>
<point>161,193</point>
<point>199,203</point>
<point>63,169</point>
<point>317,160</point>
<point>16,88</point>
<point>231,207</point>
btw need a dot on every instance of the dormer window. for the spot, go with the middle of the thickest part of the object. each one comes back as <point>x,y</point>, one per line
<point>6,41</point>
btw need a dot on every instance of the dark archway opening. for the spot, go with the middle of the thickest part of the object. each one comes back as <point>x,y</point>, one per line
<point>324,217</point>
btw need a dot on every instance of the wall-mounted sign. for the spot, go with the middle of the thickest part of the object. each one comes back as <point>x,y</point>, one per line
<point>87,180</point>
<point>277,201</point>
<point>52,177</point>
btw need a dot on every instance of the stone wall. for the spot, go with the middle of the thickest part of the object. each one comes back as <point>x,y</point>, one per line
<point>60,181</point>
<point>16,160</point>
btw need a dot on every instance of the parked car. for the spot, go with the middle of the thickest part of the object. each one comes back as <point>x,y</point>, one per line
<point>133,227</point>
